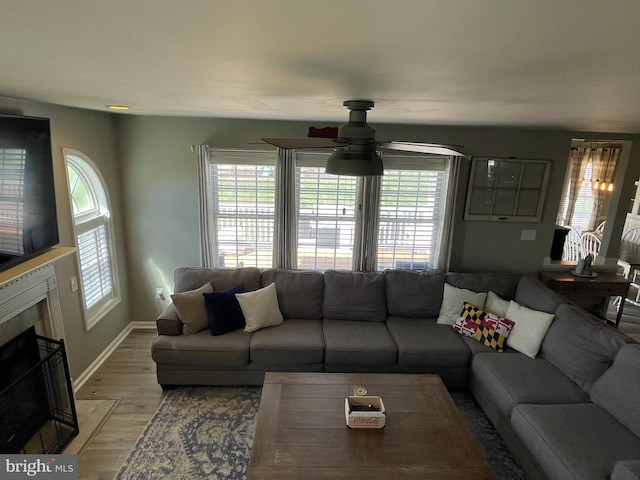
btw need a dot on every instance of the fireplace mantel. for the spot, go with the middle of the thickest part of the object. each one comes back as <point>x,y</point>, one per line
<point>32,282</point>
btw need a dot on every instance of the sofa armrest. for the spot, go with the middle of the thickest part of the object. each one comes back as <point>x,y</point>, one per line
<point>626,470</point>
<point>168,322</point>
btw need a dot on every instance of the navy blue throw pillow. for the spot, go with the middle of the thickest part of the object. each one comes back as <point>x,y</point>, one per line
<point>223,310</point>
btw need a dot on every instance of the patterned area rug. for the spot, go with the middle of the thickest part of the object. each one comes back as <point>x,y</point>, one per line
<point>197,433</point>
<point>207,433</point>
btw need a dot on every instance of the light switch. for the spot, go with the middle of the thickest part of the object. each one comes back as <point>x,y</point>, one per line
<point>528,235</point>
<point>74,283</point>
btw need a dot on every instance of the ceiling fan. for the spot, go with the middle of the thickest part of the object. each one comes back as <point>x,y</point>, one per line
<point>354,144</point>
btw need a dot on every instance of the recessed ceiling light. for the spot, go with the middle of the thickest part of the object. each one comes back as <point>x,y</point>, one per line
<point>117,107</point>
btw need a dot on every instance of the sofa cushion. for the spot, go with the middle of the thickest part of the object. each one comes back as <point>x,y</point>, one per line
<point>424,343</point>
<point>191,310</point>
<point>359,344</point>
<point>354,296</point>
<point>453,299</point>
<point>579,441</point>
<point>532,293</point>
<point>626,470</point>
<point>300,293</point>
<point>503,284</point>
<point>295,342</point>
<point>260,308</point>
<point>529,330</point>
<point>414,294</point>
<point>223,310</point>
<point>618,389</point>
<point>512,378</point>
<point>202,350</point>
<point>477,347</point>
<point>580,346</point>
<point>190,278</point>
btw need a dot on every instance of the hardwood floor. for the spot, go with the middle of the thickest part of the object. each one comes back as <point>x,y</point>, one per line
<point>127,376</point>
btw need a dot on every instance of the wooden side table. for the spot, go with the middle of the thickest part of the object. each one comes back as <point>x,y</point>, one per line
<point>580,289</point>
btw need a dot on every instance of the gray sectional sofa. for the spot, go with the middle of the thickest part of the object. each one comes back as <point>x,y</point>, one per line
<point>571,411</point>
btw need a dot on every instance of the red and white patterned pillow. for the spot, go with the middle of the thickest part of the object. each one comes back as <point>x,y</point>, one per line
<point>489,329</point>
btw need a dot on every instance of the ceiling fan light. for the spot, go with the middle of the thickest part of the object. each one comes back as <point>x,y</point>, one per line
<point>354,163</point>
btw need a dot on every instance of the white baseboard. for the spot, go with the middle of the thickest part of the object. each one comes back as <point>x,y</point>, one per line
<point>143,325</point>
<point>84,376</point>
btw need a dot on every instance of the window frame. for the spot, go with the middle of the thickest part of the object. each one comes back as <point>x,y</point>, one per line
<point>90,221</point>
<point>317,160</point>
<point>423,163</point>
<point>367,199</point>
<point>492,198</point>
<point>218,156</point>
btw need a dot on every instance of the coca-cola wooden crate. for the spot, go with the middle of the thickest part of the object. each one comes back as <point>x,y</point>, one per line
<point>364,412</point>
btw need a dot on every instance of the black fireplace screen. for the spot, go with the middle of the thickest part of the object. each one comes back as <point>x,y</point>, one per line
<point>37,409</point>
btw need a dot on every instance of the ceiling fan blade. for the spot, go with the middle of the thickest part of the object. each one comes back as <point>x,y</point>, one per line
<point>304,142</point>
<point>433,148</point>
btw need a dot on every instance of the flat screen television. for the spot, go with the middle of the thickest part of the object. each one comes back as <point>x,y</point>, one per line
<point>28,220</point>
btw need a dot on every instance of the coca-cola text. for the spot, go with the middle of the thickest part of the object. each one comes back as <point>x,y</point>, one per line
<point>366,420</point>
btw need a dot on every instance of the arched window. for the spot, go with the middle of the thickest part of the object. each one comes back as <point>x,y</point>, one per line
<point>94,239</point>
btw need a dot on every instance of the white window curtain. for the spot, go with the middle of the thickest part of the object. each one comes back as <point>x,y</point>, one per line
<point>206,248</point>
<point>285,253</point>
<point>591,166</point>
<point>367,225</point>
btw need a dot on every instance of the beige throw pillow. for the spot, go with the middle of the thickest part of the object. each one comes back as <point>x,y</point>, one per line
<point>191,309</point>
<point>260,308</point>
<point>496,305</point>
<point>530,328</point>
<point>453,299</point>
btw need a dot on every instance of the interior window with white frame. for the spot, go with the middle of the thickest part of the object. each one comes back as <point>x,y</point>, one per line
<point>326,214</point>
<point>240,207</point>
<point>94,236</point>
<point>414,199</point>
<point>339,222</point>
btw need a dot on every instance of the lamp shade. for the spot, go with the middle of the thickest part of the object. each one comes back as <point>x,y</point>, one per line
<point>355,163</point>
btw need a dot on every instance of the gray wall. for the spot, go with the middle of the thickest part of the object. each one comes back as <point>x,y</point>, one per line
<point>94,134</point>
<point>151,175</point>
<point>161,192</point>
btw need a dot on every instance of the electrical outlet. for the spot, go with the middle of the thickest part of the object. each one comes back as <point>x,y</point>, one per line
<point>74,283</point>
<point>159,293</point>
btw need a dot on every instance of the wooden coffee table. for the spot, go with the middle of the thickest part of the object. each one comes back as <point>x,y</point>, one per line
<point>301,431</point>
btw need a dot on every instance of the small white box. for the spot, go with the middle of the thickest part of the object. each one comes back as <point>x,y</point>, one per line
<point>364,412</point>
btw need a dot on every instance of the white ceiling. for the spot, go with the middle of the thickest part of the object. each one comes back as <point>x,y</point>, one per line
<point>544,63</point>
